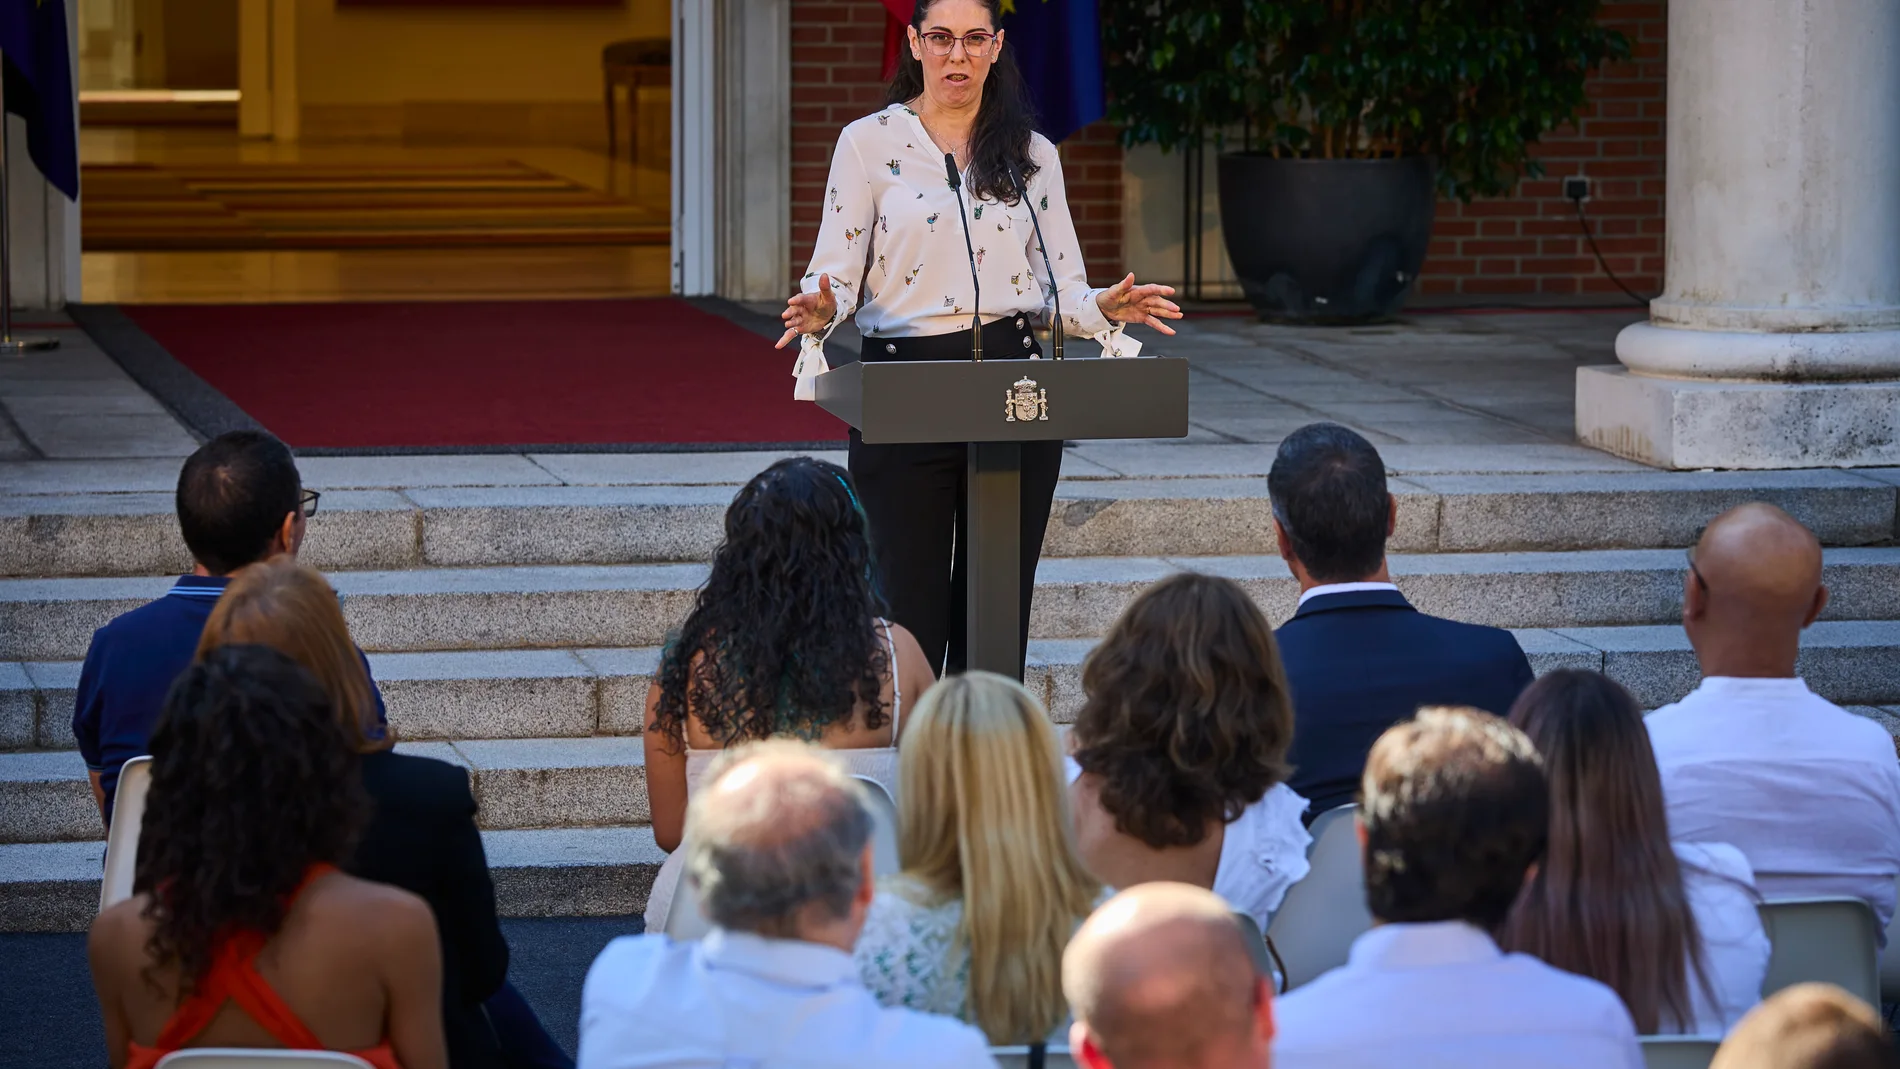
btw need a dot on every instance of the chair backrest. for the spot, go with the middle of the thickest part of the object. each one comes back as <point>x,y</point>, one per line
<point>241,1058</point>
<point>1678,1052</point>
<point>1890,958</point>
<point>1018,1057</point>
<point>122,841</point>
<point>1323,913</point>
<point>1832,940</point>
<point>685,920</point>
<point>1256,944</point>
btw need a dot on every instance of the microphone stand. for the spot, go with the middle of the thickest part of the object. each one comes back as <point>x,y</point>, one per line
<point>1055,290</point>
<point>976,284</point>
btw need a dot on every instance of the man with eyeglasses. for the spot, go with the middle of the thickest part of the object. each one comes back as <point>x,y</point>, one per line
<point>1807,790</point>
<point>240,500</point>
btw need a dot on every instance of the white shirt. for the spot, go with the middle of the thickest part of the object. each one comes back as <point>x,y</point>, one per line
<point>1341,588</point>
<point>891,223</point>
<point>1443,996</point>
<point>1808,791</point>
<point>1720,889</point>
<point>738,999</point>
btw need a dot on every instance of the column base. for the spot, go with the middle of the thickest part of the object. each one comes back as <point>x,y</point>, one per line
<point>1690,423</point>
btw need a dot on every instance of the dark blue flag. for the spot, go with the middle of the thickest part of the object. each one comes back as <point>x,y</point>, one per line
<point>39,86</point>
<point>1058,45</point>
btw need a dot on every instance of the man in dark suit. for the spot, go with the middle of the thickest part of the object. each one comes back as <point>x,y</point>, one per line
<point>1359,658</point>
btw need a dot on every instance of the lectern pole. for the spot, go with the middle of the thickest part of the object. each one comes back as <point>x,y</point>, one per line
<point>994,607</point>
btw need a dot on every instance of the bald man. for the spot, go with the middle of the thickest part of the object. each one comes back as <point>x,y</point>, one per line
<point>1808,791</point>
<point>1160,977</point>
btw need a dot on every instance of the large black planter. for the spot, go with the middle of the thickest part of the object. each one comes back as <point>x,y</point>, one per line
<point>1325,241</point>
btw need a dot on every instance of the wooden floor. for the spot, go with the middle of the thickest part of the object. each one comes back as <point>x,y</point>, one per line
<point>449,273</point>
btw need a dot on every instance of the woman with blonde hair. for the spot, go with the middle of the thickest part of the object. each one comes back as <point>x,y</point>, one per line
<point>421,833</point>
<point>974,924</point>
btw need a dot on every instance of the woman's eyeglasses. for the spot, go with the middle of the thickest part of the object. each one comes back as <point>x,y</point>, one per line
<point>307,504</point>
<point>976,43</point>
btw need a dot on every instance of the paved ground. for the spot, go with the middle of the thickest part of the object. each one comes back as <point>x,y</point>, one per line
<point>57,1027</point>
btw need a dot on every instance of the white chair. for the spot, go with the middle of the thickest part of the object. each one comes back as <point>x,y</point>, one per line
<point>1832,940</point>
<point>686,921</point>
<point>1323,913</point>
<point>1678,1052</point>
<point>1018,1057</point>
<point>240,1058</point>
<point>1890,959</point>
<point>122,841</point>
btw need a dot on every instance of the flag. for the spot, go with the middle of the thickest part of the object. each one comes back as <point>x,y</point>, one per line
<point>896,18</point>
<point>1058,45</point>
<point>39,86</point>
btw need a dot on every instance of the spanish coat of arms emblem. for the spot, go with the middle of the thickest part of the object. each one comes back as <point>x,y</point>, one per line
<point>1025,402</point>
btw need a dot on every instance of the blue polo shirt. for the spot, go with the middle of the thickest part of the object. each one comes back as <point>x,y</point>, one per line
<point>130,668</point>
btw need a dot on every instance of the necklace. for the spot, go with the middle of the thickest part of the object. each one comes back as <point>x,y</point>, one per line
<point>960,150</point>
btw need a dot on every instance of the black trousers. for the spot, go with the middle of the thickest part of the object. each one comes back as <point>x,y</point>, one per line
<point>916,499</point>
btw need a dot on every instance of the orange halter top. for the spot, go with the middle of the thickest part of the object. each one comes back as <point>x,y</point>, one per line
<point>233,976</point>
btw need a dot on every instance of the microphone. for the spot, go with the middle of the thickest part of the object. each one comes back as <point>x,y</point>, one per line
<point>1055,290</point>
<point>963,216</point>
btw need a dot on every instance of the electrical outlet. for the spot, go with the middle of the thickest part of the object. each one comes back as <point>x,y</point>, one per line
<point>1577,188</point>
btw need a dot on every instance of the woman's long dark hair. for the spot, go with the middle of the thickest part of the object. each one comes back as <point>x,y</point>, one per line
<point>254,779</point>
<point>1608,900</point>
<point>783,638</point>
<point>1004,120</point>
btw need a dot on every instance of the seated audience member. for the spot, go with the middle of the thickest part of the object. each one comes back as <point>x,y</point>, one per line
<point>991,888</point>
<point>242,933</point>
<point>240,500</point>
<point>1359,658</point>
<point>1809,1026</point>
<point>1675,932</point>
<point>1453,820</point>
<point>785,638</point>
<point>1807,790</point>
<point>1160,977</point>
<point>778,844</point>
<point>420,834</point>
<point>1181,749</point>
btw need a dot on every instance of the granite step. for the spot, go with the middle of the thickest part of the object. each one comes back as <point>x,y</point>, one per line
<point>570,606</point>
<point>44,535</point>
<point>518,784</point>
<point>560,872</point>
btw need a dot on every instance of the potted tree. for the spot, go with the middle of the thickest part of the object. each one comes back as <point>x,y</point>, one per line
<point>1344,120</point>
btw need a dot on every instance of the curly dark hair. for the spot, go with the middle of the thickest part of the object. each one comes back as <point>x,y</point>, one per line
<point>253,781</point>
<point>1004,121</point>
<point>783,638</point>
<point>1186,716</point>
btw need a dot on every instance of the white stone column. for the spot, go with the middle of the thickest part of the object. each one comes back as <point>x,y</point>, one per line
<point>1776,341</point>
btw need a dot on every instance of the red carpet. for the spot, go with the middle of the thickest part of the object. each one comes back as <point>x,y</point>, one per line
<point>503,373</point>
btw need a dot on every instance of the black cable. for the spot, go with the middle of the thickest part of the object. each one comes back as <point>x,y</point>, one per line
<point>1592,239</point>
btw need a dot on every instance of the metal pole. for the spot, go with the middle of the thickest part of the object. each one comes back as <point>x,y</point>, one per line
<point>10,345</point>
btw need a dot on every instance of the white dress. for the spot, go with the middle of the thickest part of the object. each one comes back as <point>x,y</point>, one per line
<point>875,763</point>
<point>1720,888</point>
<point>1262,852</point>
<point>891,241</point>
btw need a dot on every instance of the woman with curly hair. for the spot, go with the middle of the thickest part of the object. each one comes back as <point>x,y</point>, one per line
<point>787,637</point>
<point>1180,749</point>
<point>991,889</point>
<point>241,931</point>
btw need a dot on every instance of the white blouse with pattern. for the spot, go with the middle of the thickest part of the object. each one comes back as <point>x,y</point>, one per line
<point>891,242</point>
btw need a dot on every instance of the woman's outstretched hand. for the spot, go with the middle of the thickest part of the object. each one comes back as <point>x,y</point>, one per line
<point>807,313</point>
<point>1125,302</point>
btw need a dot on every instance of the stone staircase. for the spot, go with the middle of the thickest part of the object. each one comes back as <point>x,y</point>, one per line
<point>513,629</point>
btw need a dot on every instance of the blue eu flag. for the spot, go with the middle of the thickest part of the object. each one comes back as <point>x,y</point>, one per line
<point>39,86</point>
<point>1058,45</point>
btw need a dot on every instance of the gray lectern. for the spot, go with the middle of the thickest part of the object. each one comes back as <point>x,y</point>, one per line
<point>994,405</point>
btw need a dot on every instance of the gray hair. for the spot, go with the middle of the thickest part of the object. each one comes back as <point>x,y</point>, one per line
<point>791,835</point>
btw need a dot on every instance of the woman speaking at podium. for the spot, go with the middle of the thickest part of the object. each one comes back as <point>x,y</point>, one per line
<point>896,249</point>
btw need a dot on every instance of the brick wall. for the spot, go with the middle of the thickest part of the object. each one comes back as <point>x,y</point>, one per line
<point>837,57</point>
<point>1529,243</point>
